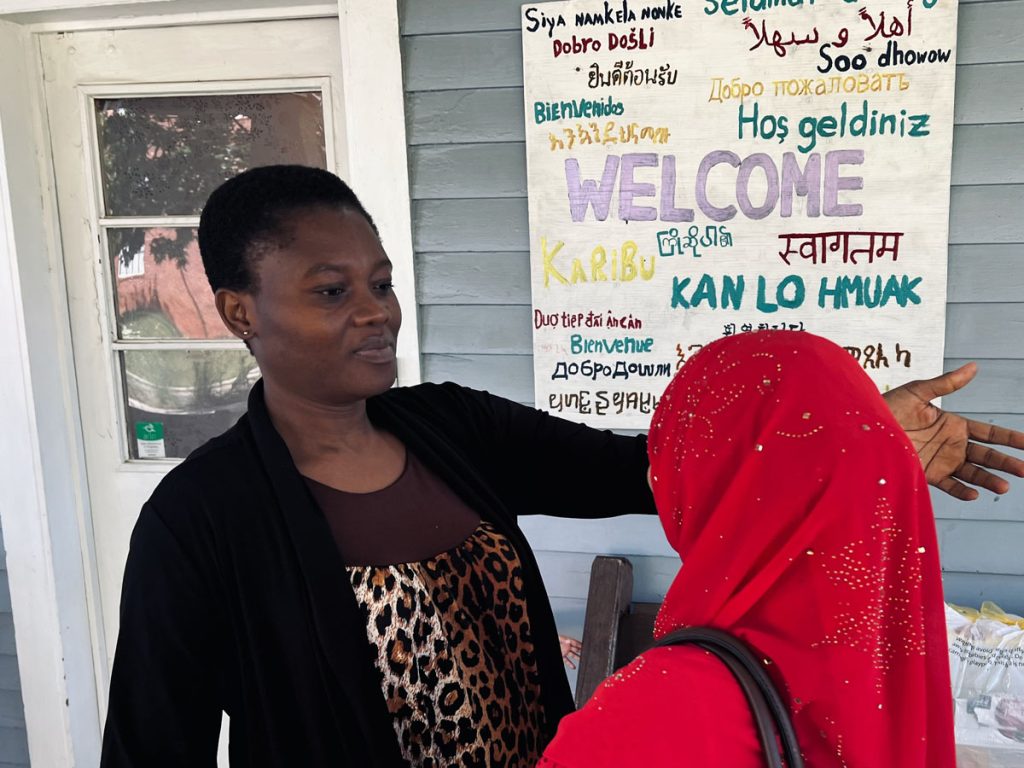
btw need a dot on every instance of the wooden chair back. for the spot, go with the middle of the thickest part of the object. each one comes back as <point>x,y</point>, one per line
<point>615,629</point>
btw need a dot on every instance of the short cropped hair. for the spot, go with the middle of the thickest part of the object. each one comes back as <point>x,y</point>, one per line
<point>251,210</point>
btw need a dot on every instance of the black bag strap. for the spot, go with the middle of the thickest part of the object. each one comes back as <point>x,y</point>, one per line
<point>770,713</point>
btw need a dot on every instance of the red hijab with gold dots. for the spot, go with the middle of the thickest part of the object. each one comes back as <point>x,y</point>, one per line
<point>802,517</point>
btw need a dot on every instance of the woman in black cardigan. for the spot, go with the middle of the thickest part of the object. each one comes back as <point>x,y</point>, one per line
<point>342,571</point>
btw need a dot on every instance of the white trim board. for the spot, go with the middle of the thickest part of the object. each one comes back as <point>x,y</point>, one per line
<point>378,159</point>
<point>44,511</point>
<point>127,14</point>
<point>38,6</point>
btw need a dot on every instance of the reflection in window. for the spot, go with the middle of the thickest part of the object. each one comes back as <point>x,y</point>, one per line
<point>158,271</point>
<point>190,395</point>
<point>164,155</point>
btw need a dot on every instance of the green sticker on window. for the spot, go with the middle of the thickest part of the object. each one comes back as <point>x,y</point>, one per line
<point>149,430</point>
<point>149,439</point>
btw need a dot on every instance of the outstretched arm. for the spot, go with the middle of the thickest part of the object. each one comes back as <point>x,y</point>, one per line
<point>956,452</point>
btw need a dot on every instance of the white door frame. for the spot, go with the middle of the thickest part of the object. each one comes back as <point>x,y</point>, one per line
<point>44,502</point>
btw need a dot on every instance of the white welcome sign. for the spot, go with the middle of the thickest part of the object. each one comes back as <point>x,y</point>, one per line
<point>710,167</point>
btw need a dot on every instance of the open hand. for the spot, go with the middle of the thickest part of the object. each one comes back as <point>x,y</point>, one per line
<point>950,446</point>
<point>571,649</point>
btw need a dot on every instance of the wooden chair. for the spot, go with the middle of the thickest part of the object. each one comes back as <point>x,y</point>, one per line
<point>615,629</point>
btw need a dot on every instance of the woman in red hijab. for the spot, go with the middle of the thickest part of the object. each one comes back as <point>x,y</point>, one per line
<point>802,517</point>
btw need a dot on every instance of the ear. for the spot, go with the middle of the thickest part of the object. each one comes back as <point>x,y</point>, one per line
<point>236,309</point>
<point>649,484</point>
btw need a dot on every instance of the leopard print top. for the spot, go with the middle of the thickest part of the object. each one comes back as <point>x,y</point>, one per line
<point>456,655</point>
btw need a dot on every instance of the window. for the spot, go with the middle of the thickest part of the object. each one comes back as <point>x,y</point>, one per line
<point>183,377</point>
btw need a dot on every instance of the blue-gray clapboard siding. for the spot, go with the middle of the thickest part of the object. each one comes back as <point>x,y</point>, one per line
<point>13,740</point>
<point>462,64</point>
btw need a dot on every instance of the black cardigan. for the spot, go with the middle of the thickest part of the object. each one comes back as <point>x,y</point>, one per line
<point>235,597</point>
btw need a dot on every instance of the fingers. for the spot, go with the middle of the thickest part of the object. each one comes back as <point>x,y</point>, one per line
<point>571,650</point>
<point>957,489</point>
<point>946,384</point>
<point>972,474</point>
<point>992,433</point>
<point>984,456</point>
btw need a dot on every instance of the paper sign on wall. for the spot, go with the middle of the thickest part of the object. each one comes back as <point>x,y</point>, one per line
<point>705,168</point>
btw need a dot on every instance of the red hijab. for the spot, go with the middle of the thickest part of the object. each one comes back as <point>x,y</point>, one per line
<point>802,517</point>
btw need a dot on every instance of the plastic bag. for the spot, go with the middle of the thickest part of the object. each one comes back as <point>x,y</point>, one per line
<point>986,655</point>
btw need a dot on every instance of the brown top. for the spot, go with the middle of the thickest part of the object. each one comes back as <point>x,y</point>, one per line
<point>413,519</point>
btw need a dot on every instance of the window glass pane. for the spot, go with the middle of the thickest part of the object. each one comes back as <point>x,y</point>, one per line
<point>162,156</point>
<point>179,399</point>
<point>160,287</point>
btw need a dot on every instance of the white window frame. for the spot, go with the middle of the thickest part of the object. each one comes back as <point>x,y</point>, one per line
<point>88,94</point>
